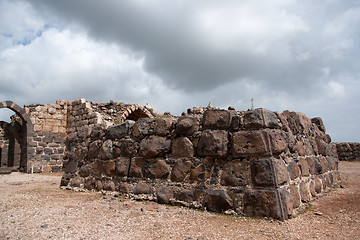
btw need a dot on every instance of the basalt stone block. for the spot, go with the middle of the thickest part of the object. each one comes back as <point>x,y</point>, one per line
<point>262,172</point>
<point>142,188</point>
<point>305,192</point>
<point>89,183</point>
<point>319,123</point>
<point>109,185</point>
<point>122,166</point>
<point>164,194</point>
<point>180,170</point>
<point>129,148</point>
<point>109,168</point>
<point>200,173</point>
<point>217,201</point>
<point>185,196</point>
<point>277,141</point>
<point>261,118</point>
<point>312,188</point>
<point>324,164</point>
<point>154,146</point>
<point>120,130</point>
<point>76,181</point>
<point>97,168</point>
<point>236,173</point>
<point>298,122</point>
<point>295,196</point>
<point>294,170</point>
<point>322,147</point>
<point>71,167</point>
<point>213,143</point>
<point>163,126</point>
<point>216,119</point>
<point>311,164</point>
<point>123,188</point>
<point>281,172</point>
<point>94,149</point>
<point>136,167</point>
<point>142,127</point>
<point>159,169</point>
<point>97,133</point>
<point>182,148</point>
<point>250,144</point>
<point>304,166</point>
<point>318,184</point>
<point>85,170</point>
<point>264,203</point>
<point>186,126</point>
<point>106,150</point>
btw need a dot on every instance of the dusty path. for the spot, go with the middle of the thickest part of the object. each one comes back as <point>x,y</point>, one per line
<point>33,207</point>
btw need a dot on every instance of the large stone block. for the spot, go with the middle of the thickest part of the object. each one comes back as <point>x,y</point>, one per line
<point>294,170</point>
<point>129,148</point>
<point>216,119</point>
<point>277,141</point>
<point>163,126</point>
<point>186,126</point>
<point>250,144</point>
<point>319,123</point>
<point>159,169</point>
<point>261,118</point>
<point>164,195</point>
<point>265,203</point>
<point>154,146</point>
<point>109,167</point>
<point>236,173</point>
<point>137,167</point>
<point>200,173</point>
<point>94,149</point>
<point>217,201</point>
<point>305,192</point>
<point>298,122</point>
<point>142,127</point>
<point>304,166</point>
<point>122,166</point>
<point>180,170</point>
<point>120,130</point>
<point>295,195</point>
<point>106,150</point>
<point>267,172</point>
<point>213,143</point>
<point>182,148</point>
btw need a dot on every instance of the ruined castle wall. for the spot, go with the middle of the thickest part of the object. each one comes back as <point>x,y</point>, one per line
<point>46,151</point>
<point>348,151</point>
<point>4,148</point>
<point>257,163</point>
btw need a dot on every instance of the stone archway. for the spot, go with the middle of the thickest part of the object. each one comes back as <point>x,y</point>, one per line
<point>26,133</point>
<point>136,112</point>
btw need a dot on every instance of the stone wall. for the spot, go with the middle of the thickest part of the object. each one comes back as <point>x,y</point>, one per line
<point>4,147</point>
<point>348,151</point>
<point>257,163</point>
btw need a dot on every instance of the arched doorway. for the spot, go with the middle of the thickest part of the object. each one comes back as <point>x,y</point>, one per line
<point>136,112</point>
<point>20,134</point>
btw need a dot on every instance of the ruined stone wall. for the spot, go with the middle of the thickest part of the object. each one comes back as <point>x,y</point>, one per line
<point>348,151</point>
<point>4,147</point>
<point>47,147</point>
<point>257,163</point>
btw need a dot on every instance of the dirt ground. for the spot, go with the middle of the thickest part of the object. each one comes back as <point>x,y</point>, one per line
<point>33,207</point>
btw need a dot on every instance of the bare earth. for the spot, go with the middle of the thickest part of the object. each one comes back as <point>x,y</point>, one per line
<point>33,207</point>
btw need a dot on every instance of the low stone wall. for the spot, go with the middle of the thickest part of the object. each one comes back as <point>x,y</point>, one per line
<point>348,151</point>
<point>257,163</point>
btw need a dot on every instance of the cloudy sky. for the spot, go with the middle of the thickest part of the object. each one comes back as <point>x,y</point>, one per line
<point>286,54</point>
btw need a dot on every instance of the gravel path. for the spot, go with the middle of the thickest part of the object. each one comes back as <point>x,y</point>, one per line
<point>33,207</point>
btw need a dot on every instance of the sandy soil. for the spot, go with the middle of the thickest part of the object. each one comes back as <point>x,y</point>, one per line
<point>33,207</point>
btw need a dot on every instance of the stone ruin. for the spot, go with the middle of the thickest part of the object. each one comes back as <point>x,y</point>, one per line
<point>255,163</point>
<point>348,151</point>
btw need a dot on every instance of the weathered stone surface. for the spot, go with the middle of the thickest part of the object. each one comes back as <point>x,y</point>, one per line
<point>136,167</point>
<point>109,185</point>
<point>154,146</point>
<point>71,167</point>
<point>200,173</point>
<point>94,149</point>
<point>295,196</point>
<point>180,170</point>
<point>304,192</point>
<point>185,196</point>
<point>164,194</point>
<point>261,118</point>
<point>216,119</point>
<point>142,188</point>
<point>281,172</point>
<point>236,173</point>
<point>182,148</point>
<point>76,181</point>
<point>217,201</point>
<point>159,170</point>
<point>163,126</point>
<point>277,141</point>
<point>106,150</point>
<point>304,166</point>
<point>120,130</point>
<point>129,148</point>
<point>319,123</point>
<point>186,126</point>
<point>85,170</point>
<point>89,183</point>
<point>97,168</point>
<point>294,170</point>
<point>142,127</point>
<point>123,188</point>
<point>213,143</point>
<point>298,122</point>
<point>311,164</point>
<point>249,144</point>
<point>262,203</point>
<point>109,167</point>
<point>312,188</point>
<point>122,166</point>
<point>262,172</point>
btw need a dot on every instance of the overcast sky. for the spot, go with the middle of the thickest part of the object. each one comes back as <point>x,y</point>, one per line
<point>286,54</point>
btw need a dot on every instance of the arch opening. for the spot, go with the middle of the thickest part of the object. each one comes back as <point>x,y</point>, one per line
<point>137,114</point>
